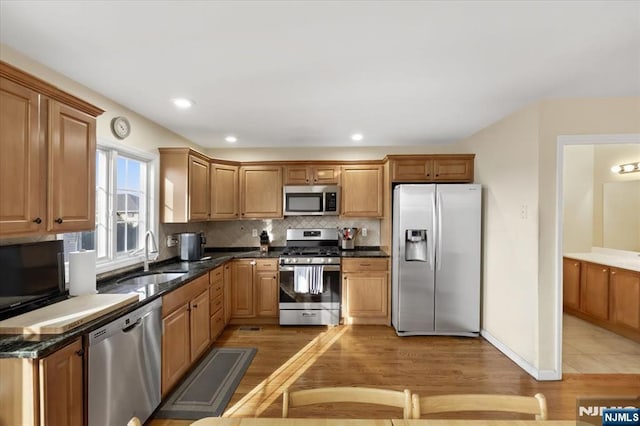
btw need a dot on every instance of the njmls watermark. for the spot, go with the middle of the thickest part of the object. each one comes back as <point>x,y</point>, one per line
<point>608,411</point>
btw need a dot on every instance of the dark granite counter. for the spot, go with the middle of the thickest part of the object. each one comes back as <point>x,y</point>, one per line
<point>41,345</point>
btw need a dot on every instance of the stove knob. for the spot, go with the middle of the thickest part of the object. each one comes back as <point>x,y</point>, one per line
<point>321,260</point>
<point>309,260</point>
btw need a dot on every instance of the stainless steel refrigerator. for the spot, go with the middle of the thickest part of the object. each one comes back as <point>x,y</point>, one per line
<point>436,259</point>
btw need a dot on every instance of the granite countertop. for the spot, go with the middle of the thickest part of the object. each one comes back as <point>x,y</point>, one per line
<point>41,345</point>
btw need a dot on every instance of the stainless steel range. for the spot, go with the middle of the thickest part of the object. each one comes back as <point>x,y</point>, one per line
<point>310,278</point>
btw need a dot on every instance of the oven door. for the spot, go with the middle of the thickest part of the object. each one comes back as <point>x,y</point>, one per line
<point>328,299</point>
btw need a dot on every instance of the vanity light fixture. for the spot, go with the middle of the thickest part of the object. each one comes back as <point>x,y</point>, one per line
<point>182,103</point>
<point>231,139</point>
<point>626,168</point>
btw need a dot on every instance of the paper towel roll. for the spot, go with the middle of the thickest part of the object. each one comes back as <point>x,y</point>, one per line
<point>82,272</point>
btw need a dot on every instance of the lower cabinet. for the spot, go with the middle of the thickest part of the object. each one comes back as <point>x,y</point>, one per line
<point>606,296</point>
<point>216,301</point>
<point>48,391</point>
<point>185,329</point>
<point>254,289</point>
<point>365,291</point>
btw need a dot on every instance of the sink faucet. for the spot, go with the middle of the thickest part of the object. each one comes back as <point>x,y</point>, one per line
<point>153,252</point>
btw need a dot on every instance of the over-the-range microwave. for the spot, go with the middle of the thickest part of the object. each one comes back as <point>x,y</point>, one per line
<point>311,200</point>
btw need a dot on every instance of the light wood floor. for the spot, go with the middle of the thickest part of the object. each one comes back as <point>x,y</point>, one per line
<point>587,348</point>
<point>305,357</point>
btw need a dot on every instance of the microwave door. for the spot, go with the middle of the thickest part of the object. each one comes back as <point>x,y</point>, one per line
<point>304,203</point>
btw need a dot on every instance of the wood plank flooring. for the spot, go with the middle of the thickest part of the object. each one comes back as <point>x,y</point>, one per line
<point>305,357</point>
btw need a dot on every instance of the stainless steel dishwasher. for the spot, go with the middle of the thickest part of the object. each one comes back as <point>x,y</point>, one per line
<point>124,367</point>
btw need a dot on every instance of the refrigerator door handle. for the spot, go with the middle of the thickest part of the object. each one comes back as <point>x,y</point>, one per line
<point>439,254</point>
<point>433,231</point>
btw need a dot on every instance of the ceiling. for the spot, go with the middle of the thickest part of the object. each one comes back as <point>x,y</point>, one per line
<point>311,73</point>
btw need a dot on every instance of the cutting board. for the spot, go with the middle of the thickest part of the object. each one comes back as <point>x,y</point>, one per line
<point>66,315</point>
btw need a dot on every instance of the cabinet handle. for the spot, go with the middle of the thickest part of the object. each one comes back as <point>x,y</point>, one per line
<point>37,220</point>
<point>195,305</point>
<point>365,264</point>
<point>274,277</point>
<point>613,272</point>
<point>58,220</point>
<point>437,174</point>
<point>604,270</point>
<point>575,264</point>
<point>428,174</point>
<point>80,352</point>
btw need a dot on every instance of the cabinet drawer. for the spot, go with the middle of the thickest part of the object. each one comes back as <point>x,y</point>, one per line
<point>216,275</point>
<point>216,289</point>
<point>217,324</point>
<point>266,264</point>
<point>365,264</point>
<point>184,294</point>
<point>215,304</point>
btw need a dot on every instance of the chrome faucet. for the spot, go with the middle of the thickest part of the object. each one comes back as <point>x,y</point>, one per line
<point>153,252</point>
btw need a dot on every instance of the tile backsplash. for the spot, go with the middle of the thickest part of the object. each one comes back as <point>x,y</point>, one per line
<point>237,233</point>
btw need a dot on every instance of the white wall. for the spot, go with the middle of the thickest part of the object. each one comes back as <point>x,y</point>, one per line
<point>578,198</point>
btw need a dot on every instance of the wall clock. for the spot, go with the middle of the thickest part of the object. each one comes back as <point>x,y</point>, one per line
<point>120,127</point>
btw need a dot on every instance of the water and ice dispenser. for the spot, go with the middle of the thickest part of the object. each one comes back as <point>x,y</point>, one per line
<point>415,245</point>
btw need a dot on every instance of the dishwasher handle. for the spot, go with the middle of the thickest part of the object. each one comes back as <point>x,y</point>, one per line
<point>132,326</point>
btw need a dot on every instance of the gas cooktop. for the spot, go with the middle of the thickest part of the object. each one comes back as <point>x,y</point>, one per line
<point>311,251</point>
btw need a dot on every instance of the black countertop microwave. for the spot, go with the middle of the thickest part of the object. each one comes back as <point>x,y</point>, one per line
<point>311,200</point>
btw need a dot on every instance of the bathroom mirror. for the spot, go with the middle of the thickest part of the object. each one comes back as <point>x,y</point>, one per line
<point>621,215</point>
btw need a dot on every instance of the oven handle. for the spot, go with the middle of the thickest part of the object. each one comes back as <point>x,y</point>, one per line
<point>328,268</point>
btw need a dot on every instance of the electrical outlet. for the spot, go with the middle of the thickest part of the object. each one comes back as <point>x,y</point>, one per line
<point>254,232</point>
<point>524,211</point>
<point>172,241</point>
<point>364,232</point>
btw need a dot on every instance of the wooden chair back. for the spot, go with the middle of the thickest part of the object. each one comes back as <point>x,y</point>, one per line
<point>535,405</point>
<point>134,422</point>
<point>393,398</point>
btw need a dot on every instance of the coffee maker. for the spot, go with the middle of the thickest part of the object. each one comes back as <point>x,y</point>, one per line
<point>191,245</point>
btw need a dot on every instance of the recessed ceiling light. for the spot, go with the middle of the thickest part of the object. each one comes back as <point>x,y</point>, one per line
<point>357,137</point>
<point>231,139</point>
<point>182,103</point>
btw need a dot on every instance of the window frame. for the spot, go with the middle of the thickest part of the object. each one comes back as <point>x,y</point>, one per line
<point>114,260</point>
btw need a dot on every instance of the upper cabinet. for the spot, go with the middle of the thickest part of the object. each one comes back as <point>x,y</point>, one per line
<point>184,186</point>
<point>312,174</point>
<point>362,190</point>
<point>432,168</point>
<point>224,191</point>
<point>260,191</point>
<point>47,157</point>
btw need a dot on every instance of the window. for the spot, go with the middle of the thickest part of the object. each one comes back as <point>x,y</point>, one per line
<point>123,200</point>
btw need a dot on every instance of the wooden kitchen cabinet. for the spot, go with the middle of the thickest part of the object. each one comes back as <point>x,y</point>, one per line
<point>625,298</point>
<point>255,289</point>
<point>185,329</point>
<point>184,186</point>
<point>224,191</point>
<point>571,283</point>
<point>432,168</point>
<point>216,301</point>
<point>594,290</point>
<point>362,190</point>
<point>227,293</point>
<point>365,291</point>
<point>47,391</point>
<point>312,174</point>
<point>260,192</point>
<point>47,145</point>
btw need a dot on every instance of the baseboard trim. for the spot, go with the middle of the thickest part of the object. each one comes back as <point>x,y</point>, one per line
<point>541,375</point>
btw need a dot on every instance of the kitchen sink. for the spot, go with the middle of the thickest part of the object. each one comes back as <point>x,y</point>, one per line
<point>151,278</point>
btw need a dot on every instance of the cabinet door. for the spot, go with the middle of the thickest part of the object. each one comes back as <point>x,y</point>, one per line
<point>459,169</point>
<point>199,324</point>
<point>224,191</point>
<point>261,191</point>
<point>242,289</point>
<point>61,399</point>
<point>414,170</point>
<point>22,161</point>
<point>297,175</point>
<point>198,188</point>
<point>175,347</point>
<point>365,297</point>
<point>227,293</point>
<point>326,175</point>
<point>571,283</point>
<point>362,191</point>
<point>72,164</point>
<point>625,298</point>
<point>594,291</point>
<point>267,294</point>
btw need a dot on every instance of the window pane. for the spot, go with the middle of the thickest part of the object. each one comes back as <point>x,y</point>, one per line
<point>129,195</point>
<point>120,239</point>
<point>75,241</point>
